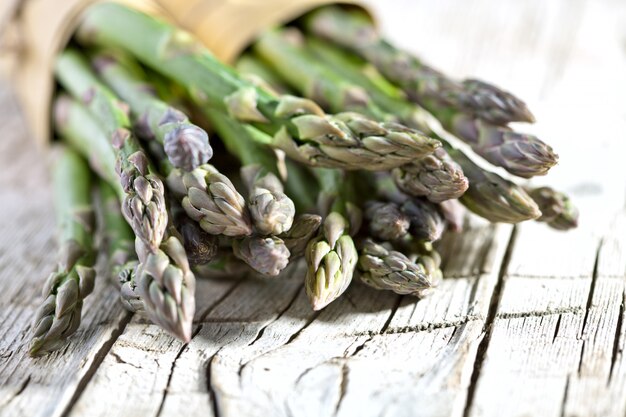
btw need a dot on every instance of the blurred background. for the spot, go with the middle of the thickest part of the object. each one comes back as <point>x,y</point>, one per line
<point>567,59</point>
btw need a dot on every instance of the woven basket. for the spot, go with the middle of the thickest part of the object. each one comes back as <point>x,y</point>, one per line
<point>32,32</point>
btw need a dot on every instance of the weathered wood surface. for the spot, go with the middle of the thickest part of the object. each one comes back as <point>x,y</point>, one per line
<point>529,322</point>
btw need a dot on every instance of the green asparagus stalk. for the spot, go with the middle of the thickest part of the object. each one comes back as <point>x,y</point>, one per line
<point>382,268</point>
<point>386,220</point>
<point>423,219</point>
<point>207,196</point>
<point>435,175</point>
<point>423,253</point>
<point>300,185</point>
<point>266,255</point>
<point>304,228</point>
<point>163,278</point>
<point>488,194</point>
<point>283,50</point>
<point>421,83</point>
<point>59,315</point>
<point>119,242</point>
<point>210,199</point>
<point>492,197</point>
<point>427,223</point>
<point>186,145</point>
<point>521,154</point>
<point>144,204</point>
<point>129,295</point>
<point>258,74</point>
<point>557,209</point>
<point>166,285</point>
<point>351,69</point>
<point>139,190</point>
<point>296,125</point>
<point>272,211</point>
<point>331,256</point>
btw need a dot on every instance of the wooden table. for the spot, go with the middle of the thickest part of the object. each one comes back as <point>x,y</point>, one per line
<point>529,321</point>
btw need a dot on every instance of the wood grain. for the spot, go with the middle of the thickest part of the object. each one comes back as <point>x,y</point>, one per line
<point>528,322</point>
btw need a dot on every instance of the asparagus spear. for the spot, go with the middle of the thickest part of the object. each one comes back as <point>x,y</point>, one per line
<point>557,210</point>
<point>186,145</point>
<point>59,315</point>
<point>167,285</point>
<point>210,199</point>
<point>435,175</point>
<point>521,154</point>
<point>386,220</point>
<point>424,254</point>
<point>493,197</point>
<point>266,255</point>
<point>271,209</point>
<point>331,259</point>
<point>420,82</point>
<point>257,73</point>
<point>385,269</point>
<point>119,243</point>
<point>426,221</point>
<point>283,50</point>
<point>488,195</point>
<point>331,256</point>
<point>296,125</point>
<point>129,295</point>
<point>304,228</point>
<point>163,279</point>
<point>144,204</point>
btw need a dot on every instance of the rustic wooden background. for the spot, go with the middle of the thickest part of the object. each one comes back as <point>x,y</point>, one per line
<point>529,322</point>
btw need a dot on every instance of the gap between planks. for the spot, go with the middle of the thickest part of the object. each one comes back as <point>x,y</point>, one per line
<point>496,297</point>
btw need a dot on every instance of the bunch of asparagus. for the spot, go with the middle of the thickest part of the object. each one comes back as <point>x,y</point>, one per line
<point>358,175</point>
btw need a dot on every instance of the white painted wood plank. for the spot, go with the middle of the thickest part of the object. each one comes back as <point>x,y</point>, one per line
<point>43,386</point>
<point>136,371</point>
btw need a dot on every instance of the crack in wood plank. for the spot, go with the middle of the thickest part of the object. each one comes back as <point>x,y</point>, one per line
<point>217,302</point>
<point>119,359</point>
<point>588,304</point>
<point>394,309</point>
<point>565,395</point>
<point>423,327</point>
<point>343,385</point>
<point>540,313</point>
<point>616,339</point>
<point>280,314</point>
<point>210,389</point>
<point>171,374</point>
<point>488,326</point>
<point>307,324</point>
<point>97,360</point>
<point>557,327</point>
<point>17,393</point>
